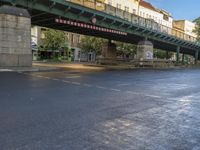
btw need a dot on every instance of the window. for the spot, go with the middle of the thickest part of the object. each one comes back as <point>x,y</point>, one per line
<point>134,11</point>
<point>119,6</point>
<point>165,17</point>
<point>72,38</point>
<point>79,39</point>
<point>109,2</point>
<point>127,9</point>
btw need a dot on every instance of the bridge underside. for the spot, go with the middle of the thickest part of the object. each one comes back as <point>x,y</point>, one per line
<point>44,12</point>
<point>39,18</point>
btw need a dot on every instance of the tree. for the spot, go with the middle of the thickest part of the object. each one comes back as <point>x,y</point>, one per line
<point>126,48</point>
<point>162,54</point>
<point>89,43</point>
<point>197,28</point>
<point>54,39</point>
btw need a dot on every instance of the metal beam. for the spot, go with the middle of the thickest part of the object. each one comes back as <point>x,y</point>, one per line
<point>55,9</point>
<point>52,5</point>
<point>196,56</point>
<point>177,54</point>
<point>183,58</point>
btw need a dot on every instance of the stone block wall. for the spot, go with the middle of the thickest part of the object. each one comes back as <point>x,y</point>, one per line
<point>15,39</point>
<point>109,50</point>
<point>145,50</point>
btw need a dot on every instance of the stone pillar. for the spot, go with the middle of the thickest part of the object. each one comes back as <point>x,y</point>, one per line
<point>145,50</point>
<point>196,56</point>
<point>109,50</point>
<point>167,54</point>
<point>15,37</point>
<point>183,58</point>
<point>177,54</point>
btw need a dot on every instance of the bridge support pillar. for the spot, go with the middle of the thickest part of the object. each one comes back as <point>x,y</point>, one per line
<point>109,50</point>
<point>177,54</point>
<point>167,54</point>
<point>15,37</point>
<point>183,58</point>
<point>196,56</point>
<point>145,50</point>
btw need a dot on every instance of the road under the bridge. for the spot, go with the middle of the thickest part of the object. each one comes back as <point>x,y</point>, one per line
<point>108,110</point>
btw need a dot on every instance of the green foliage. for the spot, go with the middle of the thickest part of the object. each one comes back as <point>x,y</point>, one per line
<point>90,43</point>
<point>197,29</point>
<point>161,54</point>
<point>196,19</point>
<point>54,39</point>
<point>126,48</point>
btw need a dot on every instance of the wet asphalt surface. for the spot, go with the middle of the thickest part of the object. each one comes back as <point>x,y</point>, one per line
<point>108,110</point>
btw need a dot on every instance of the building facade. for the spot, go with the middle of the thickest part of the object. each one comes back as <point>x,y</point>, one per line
<point>145,10</point>
<point>185,26</point>
<point>73,45</point>
<point>130,6</point>
<point>148,11</point>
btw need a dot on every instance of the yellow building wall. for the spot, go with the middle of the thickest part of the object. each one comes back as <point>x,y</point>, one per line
<point>179,25</point>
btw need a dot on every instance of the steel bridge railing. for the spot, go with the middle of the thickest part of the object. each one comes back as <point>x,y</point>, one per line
<point>133,18</point>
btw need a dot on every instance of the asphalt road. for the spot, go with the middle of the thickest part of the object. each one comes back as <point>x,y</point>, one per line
<point>100,110</point>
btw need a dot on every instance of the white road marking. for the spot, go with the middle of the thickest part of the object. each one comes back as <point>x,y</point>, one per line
<point>101,87</point>
<point>124,84</point>
<point>55,79</point>
<point>65,81</point>
<point>46,77</point>
<point>131,92</point>
<point>87,85</point>
<point>5,70</point>
<point>39,76</point>
<point>71,77</point>
<point>147,95</point>
<point>76,83</point>
<point>116,90</point>
<point>154,96</point>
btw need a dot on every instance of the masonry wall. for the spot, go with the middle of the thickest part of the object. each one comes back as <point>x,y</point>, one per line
<point>15,40</point>
<point>145,50</point>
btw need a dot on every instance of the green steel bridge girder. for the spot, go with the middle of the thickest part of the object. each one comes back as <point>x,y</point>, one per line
<point>196,56</point>
<point>177,54</point>
<point>51,8</point>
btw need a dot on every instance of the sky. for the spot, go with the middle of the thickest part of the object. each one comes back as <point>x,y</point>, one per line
<point>180,9</point>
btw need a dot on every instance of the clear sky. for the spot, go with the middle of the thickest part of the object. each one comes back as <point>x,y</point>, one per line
<point>180,9</point>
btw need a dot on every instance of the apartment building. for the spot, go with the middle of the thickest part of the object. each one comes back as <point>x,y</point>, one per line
<point>143,9</point>
<point>130,6</point>
<point>148,11</point>
<point>185,26</point>
<point>73,44</point>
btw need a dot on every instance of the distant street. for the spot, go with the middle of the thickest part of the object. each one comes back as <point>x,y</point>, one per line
<point>100,110</point>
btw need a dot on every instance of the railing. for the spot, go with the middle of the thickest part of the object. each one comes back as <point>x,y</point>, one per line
<point>134,19</point>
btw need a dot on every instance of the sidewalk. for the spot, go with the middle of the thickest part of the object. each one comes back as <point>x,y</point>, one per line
<point>52,66</point>
<point>48,66</point>
<point>86,66</point>
<point>78,66</point>
<point>28,69</point>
